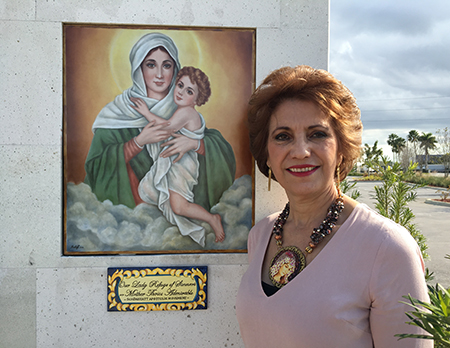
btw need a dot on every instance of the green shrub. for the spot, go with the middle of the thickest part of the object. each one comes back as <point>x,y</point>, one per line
<point>444,193</point>
<point>433,317</point>
<point>420,179</point>
<point>394,194</point>
<point>371,177</point>
<point>345,187</point>
<point>430,180</point>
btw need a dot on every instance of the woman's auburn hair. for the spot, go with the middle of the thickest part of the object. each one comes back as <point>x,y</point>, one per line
<point>199,78</point>
<point>306,84</point>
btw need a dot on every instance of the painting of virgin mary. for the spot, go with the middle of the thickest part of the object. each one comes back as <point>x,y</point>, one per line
<point>104,211</point>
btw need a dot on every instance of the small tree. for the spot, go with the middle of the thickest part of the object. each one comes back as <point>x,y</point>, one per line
<point>397,143</point>
<point>394,195</point>
<point>413,138</point>
<point>433,317</point>
<point>371,154</point>
<point>443,138</point>
<point>407,156</point>
<point>427,142</point>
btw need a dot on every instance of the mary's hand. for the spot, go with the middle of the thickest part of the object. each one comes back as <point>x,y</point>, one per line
<point>180,144</point>
<point>153,134</point>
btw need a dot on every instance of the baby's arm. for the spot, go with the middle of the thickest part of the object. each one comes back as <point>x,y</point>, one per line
<point>141,107</point>
<point>184,117</point>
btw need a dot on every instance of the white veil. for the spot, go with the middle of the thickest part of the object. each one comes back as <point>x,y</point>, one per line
<point>118,113</point>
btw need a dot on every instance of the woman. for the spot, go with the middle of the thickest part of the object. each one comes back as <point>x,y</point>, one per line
<point>118,158</point>
<point>351,266</point>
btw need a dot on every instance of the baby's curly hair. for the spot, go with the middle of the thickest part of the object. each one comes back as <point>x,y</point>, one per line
<point>306,84</point>
<point>199,78</point>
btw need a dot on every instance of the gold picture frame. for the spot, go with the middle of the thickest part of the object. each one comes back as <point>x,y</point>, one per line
<point>98,187</point>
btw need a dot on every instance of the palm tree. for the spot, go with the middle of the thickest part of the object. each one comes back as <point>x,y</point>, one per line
<point>391,142</point>
<point>397,143</point>
<point>427,142</point>
<point>413,137</point>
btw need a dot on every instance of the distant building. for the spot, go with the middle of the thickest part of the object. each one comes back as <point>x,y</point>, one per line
<point>434,162</point>
<point>432,159</point>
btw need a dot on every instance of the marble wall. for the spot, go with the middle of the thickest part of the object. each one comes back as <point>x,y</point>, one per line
<point>50,300</point>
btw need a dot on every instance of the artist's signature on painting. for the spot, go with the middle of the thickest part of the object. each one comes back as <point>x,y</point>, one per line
<point>77,247</point>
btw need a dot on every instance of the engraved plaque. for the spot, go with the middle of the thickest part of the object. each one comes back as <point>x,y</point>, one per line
<point>157,288</point>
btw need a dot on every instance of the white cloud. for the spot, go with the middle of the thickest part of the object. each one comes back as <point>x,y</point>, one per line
<point>394,57</point>
<point>345,49</point>
<point>102,226</point>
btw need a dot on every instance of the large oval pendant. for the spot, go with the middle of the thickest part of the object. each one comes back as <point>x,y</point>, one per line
<point>286,264</point>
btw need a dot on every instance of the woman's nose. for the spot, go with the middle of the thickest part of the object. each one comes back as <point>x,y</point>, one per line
<point>300,149</point>
<point>159,72</point>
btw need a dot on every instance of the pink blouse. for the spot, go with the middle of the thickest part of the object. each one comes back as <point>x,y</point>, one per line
<point>347,297</point>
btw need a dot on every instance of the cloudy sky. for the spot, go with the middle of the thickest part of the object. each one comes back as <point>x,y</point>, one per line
<point>395,57</point>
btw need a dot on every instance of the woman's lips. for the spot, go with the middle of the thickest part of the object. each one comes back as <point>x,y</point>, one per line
<point>303,170</point>
<point>159,83</point>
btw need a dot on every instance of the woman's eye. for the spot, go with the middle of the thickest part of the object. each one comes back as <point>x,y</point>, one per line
<point>150,65</point>
<point>319,135</point>
<point>190,92</point>
<point>180,85</point>
<point>282,136</point>
<point>167,66</point>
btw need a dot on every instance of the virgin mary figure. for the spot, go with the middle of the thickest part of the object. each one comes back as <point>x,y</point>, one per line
<point>118,157</point>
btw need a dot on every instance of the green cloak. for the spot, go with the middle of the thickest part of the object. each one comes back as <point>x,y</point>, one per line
<point>106,171</point>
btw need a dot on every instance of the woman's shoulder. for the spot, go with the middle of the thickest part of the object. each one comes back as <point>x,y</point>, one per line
<point>381,240</point>
<point>260,233</point>
<point>379,227</point>
<point>366,215</point>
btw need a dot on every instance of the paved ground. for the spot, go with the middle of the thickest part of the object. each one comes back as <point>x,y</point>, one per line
<point>432,220</point>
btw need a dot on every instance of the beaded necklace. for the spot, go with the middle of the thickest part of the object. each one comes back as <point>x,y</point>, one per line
<point>290,261</point>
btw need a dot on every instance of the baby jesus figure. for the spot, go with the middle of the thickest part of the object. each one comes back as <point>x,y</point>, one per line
<point>169,182</point>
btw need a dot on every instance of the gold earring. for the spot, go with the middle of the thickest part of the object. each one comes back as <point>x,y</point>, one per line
<point>270,177</point>
<point>338,181</point>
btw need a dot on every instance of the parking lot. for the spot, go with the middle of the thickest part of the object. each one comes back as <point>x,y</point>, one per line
<point>432,220</point>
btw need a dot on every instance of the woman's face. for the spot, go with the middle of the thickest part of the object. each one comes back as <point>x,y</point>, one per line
<point>157,69</point>
<point>186,92</point>
<point>302,148</point>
